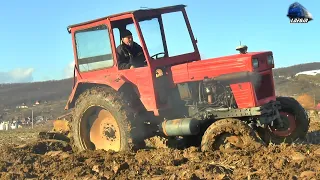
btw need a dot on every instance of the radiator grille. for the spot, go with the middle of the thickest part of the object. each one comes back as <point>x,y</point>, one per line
<point>265,88</point>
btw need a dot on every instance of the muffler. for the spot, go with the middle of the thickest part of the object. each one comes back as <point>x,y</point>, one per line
<point>180,127</point>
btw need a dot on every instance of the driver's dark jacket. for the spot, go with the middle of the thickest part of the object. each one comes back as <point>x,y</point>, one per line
<point>126,55</point>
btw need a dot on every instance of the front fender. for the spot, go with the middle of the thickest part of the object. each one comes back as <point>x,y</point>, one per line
<point>87,83</point>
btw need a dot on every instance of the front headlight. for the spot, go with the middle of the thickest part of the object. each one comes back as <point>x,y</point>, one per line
<point>270,59</point>
<point>255,63</point>
<point>159,73</point>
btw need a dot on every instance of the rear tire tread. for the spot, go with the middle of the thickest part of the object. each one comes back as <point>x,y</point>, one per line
<point>105,96</point>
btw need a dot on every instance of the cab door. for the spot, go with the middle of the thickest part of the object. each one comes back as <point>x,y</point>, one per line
<point>139,78</point>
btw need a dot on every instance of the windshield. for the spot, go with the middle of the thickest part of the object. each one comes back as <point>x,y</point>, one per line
<point>177,37</point>
<point>175,41</point>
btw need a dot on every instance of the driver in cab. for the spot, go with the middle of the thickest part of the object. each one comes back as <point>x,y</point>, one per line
<point>130,54</point>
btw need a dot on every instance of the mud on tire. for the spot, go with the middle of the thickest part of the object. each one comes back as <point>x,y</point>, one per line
<point>126,119</point>
<point>214,135</point>
<point>292,109</point>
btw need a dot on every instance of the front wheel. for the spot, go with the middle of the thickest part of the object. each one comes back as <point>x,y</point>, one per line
<point>295,123</point>
<point>230,134</point>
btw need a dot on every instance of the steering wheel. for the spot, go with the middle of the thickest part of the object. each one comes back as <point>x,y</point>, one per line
<point>156,55</point>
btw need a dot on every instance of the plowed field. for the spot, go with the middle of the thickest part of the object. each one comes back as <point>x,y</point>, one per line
<point>22,156</point>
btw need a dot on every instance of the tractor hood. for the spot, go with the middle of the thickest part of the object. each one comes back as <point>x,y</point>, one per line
<point>208,68</point>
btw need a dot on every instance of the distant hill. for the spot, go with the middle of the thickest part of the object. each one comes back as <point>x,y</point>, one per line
<point>297,86</point>
<point>312,72</point>
<point>287,83</point>
<point>292,70</point>
<point>12,95</point>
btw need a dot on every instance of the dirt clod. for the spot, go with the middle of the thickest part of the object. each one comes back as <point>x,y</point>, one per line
<point>307,174</point>
<point>317,152</point>
<point>297,156</point>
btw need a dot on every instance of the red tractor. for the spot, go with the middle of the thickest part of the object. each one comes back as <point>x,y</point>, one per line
<point>175,93</point>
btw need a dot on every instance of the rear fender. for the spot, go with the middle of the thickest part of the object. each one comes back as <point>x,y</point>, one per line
<point>84,84</point>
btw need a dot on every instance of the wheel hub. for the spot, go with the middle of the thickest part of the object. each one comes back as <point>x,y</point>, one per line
<point>102,130</point>
<point>109,132</point>
<point>289,125</point>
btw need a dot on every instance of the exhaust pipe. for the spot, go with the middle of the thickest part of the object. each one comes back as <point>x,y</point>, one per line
<point>180,127</point>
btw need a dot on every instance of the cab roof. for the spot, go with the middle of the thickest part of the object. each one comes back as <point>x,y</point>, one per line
<point>134,12</point>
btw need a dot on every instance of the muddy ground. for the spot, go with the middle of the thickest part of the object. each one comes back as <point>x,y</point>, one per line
<point>22,156</point>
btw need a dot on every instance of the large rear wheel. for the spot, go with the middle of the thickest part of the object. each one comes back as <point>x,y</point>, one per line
<point>103,119</point>
<point>295,123</point>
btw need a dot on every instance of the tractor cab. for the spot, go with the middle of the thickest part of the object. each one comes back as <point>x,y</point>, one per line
<point>164,35</point>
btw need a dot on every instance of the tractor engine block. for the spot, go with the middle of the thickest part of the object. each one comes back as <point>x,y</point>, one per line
<point>217,95</point>
<point>208,94</point>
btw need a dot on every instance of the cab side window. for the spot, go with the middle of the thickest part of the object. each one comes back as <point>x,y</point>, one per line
<point>93,48</point>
